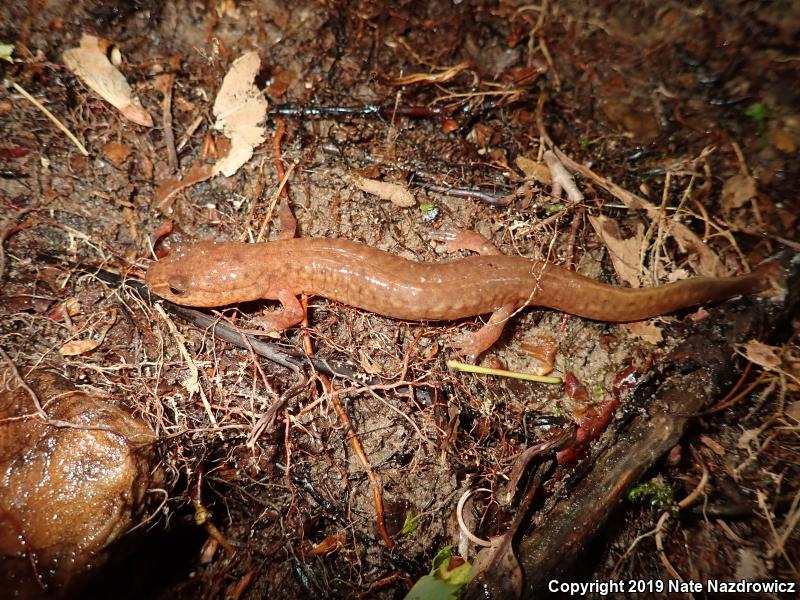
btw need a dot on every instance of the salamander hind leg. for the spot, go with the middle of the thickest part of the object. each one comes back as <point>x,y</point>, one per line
<point>475,343</point>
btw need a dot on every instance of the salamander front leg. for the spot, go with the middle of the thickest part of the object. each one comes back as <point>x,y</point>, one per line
<point>290,316</point>
<point>474,343</point>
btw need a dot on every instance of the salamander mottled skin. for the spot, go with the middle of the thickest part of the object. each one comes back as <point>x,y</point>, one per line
<point>220,273</point>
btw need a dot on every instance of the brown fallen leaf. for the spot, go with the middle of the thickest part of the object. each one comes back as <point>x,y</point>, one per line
<point>78,347</point>
<point>645,330</point>
<point>240,109</point>
<point>737,191</point>
<point>712,445</point>
<point>332,543</point>
<point>701,257</point>
<point>89,62</point>
<point>783,140</point>
<point>393,192</point>
<point>117,152</point>
<point>761,354</point>
<point>625,253</point>
<point>534,170</point>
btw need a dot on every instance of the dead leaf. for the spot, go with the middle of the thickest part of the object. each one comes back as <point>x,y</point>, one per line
<point>761,354</point>
<point>645,330</point>
<point>793,411</point>
<point>701,257</point>
<point>240,109</point>
<point>534,170</point>
<point>625,253</point>
<point>77,347</point>
<point>737,191</point>
<point>783,140</point>
<point>116,152</point>
<point>89,62</point>
<point>281,80</point>
<point>332,543</point>
<point>712,445</point>
<point>393,192</point>
<point>65,310</point>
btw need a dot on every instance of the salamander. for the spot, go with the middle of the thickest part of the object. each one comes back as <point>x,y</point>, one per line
<point>212,274</point>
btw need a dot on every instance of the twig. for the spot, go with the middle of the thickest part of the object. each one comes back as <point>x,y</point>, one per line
<point>660,547</point>
<point>467,368</point>
<point>168,81</point>
<point>352,436</point>
<point>460,518</point>
<point>192,385</point>
<point>52,117</point>
<point>34,398</point>
<point>473,193</point>
<point>275,197</point>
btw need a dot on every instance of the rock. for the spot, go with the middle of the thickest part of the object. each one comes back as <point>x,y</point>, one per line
<point>69,487</point>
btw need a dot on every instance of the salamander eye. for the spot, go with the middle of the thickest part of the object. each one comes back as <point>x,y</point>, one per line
<point>177,288</point>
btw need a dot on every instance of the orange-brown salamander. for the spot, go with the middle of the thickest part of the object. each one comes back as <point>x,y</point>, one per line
<point>220,273</point>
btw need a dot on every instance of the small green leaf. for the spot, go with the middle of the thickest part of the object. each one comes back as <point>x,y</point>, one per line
<point>446,580</point>
<point>6,50</point>
<point>758,112</point>
<point>552,209</point>
<point>426,207</point>
<point>410,524</point>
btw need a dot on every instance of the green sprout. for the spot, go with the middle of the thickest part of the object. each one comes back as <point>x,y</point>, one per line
<point>759,114</point>
<point>657,492</point>
<point>6,51</point>
<point>447,579</point>
<point>410,524</point>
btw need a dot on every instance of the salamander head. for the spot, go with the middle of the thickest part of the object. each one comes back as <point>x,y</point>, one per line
<point>206,274</point>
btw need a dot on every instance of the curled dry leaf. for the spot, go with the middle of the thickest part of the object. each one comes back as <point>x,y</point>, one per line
<point>89,62</point>
<point>117,152</point>
<point>737,191</point>
<point>701,257</point>
<point>332,543</point>
<point>534,170</point>
<point>393,192</point>
<point>645,330</point>
<point>625,253</point>
<point>240,109</point>
<point>761,354</point>
<point>78,347</point>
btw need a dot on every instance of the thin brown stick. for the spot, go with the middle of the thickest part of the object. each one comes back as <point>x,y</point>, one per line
<point>352,436</point>
<point>24,385</point>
